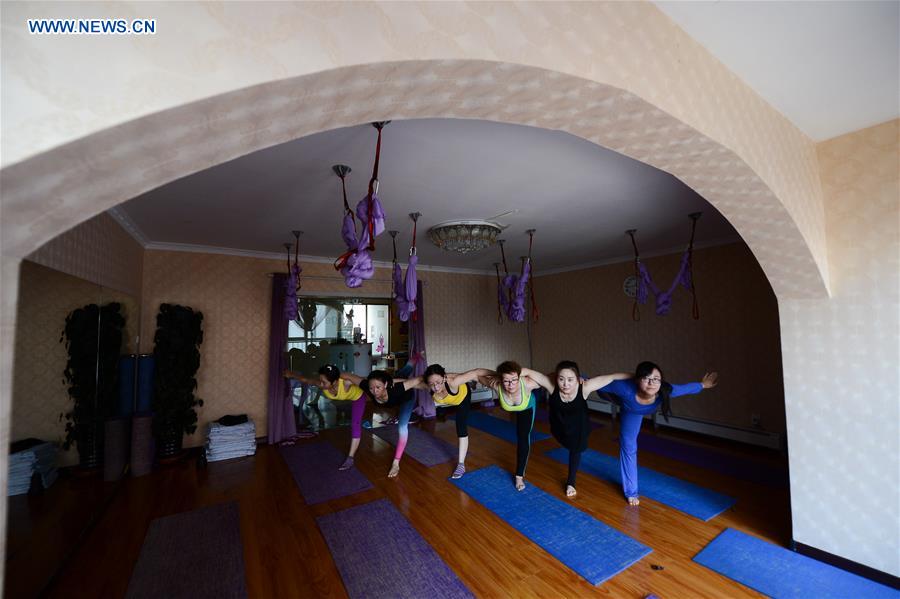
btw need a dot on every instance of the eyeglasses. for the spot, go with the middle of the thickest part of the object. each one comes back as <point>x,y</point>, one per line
<point>651,381</point>
<point>510,381</point>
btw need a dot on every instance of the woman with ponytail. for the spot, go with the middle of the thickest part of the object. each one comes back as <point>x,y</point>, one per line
<point>643,394</point>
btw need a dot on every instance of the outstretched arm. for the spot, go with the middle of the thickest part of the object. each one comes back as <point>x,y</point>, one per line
<point>709,380</point>
<point>290,374</point>
<point>414,383</point>
<point>456,380</point>
<point>353,378</point>
<point>540,378</point>
<point>597,382</point>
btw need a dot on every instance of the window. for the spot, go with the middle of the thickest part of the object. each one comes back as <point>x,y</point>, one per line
<point>355,320</point>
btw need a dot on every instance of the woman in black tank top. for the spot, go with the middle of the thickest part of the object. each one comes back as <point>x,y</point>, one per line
<point>569,410</point>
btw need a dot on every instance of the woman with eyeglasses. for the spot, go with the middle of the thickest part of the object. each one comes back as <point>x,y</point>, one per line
<point>644,394</point>
<point>451,390</point>
<point>515,391</point>
<point>569,410</point>
<point>336,388</point>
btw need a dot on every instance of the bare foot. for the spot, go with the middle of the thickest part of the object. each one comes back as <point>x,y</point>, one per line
<point>520,484</point>
<point>394,471</point>
<point>634,501</point>
<point>570,491</point>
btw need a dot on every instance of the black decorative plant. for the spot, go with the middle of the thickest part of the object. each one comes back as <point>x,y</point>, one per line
<point>178,337</point>
<point>93,338</point>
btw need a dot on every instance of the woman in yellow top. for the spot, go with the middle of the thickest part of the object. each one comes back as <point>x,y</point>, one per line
<point>337,389</point>
<point>452,390</point>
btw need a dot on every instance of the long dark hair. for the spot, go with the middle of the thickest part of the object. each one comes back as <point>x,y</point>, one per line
<point>330,372</point>
<point>434,369</point>
<point>665,389</point>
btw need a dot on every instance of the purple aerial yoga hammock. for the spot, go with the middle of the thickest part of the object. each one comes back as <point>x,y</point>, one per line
<point>405,291</point>
<point>356,263</point>
<point>511,290</point>
<point>293,281</point>
<point>684,277</point>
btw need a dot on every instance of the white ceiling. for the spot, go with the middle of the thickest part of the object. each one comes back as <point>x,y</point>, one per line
<point>829,67</point>
<point>580,197</point>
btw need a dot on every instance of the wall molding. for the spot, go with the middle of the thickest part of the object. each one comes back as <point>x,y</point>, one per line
<point>845,564</point>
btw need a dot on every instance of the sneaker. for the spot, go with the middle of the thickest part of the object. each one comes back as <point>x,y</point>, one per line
<point>414,419</point>
<point>460,470</point>
<point>347,465</point>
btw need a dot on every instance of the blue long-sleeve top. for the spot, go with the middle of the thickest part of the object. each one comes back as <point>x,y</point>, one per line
<point>626,390</point>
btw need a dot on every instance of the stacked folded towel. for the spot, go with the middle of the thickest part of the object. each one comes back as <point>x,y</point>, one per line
<point>37,456</point>
<point>225,442</point>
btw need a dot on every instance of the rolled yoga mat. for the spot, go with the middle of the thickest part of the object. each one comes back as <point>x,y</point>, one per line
<point>195,554</point>
<point>584,544</point>
<point>687,497</point>
<point>142,446</point>
<point>314,467</point>
<point>778,572</point>
<point>423,447</point>
<point>380,554</point>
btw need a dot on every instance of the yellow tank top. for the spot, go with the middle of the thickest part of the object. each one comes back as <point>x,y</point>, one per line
<point>452,400</point>
<point>345,392</point>
<point>524,399</point>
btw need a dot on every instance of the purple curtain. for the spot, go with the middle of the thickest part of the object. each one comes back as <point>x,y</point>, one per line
<point>281,408</point>
<point>424,403</point>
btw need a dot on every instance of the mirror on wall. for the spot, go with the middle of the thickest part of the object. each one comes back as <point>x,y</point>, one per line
<point>69,333</point>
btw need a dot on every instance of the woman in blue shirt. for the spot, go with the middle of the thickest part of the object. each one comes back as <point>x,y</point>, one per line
<point>639,396</point>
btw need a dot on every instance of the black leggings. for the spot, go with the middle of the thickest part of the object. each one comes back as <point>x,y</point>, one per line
<point>462,417</point>
<point>574,462</point>
<point>524,424</point>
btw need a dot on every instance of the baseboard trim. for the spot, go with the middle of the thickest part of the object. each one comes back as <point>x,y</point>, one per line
<point>846,564</point>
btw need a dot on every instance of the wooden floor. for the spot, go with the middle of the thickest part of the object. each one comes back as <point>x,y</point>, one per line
<point>286,556</point>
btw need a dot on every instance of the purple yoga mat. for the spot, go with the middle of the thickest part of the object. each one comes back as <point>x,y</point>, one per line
<point>741,468</point>
<point>193,554</point>
<point>315,470</point>
<point>380,554</point>
<point>423,447</point>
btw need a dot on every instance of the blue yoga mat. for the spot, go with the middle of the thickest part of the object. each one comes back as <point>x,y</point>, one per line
<point>587,546</point>
<point>684,496</point>
<point>500,428</point>
<point>380,554</point>
<point>781,573</point>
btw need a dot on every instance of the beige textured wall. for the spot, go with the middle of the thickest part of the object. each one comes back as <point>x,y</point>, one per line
<point>234,295</point>
<point>586,317</point>
<point>99,251</point>
<point>842,361</point>
<point>245,76</point>
<point>40,395</point>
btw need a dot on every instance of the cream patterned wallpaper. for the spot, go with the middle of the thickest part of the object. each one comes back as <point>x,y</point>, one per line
<point>40,394</point>
<point>99,251</point>
<point>586,317</point>
<point>842,361</point>
<point>656,96</point>
<point>234,294</point>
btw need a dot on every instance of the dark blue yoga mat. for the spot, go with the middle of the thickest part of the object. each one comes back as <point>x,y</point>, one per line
<point>587,546</point>
<point>192,554</point>
<point>500,428</point>
<point>771,475</point>
<point>684,496</point>
<point>424,448</point>
<point>781,573</point>
<point>315,470</point>
<point>380,554</point>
